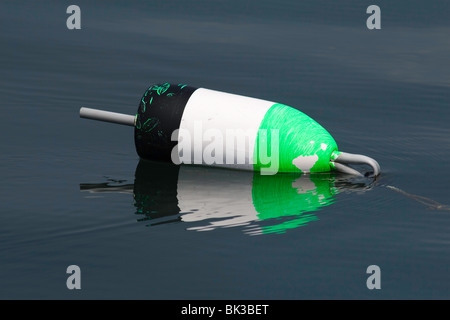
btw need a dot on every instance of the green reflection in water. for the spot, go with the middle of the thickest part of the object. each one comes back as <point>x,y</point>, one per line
<point>291,196</point>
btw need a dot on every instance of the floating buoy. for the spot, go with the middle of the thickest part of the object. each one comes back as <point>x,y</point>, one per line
<point>189,125</point>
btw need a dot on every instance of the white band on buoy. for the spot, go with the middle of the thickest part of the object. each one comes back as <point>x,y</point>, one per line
<point>233,118</point>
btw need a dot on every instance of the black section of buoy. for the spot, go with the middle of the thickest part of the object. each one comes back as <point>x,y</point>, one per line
<point>158,115</point>
<point>155,190</point>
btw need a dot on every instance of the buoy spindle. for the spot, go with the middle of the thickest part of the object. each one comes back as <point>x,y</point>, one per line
<point>107,116</point>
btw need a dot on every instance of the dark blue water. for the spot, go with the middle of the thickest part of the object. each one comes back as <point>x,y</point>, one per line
<point>73,190</point>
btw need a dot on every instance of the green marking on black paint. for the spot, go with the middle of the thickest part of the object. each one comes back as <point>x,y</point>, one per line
<point>160,89</point>
<point>143,105</point>
<point>150,124</point>
<point>182,85</point>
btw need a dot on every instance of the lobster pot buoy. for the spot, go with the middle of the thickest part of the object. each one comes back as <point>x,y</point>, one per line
<point>184,124</point>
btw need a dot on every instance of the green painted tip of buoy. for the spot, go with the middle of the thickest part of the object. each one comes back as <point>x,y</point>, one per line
<point>304,145</point>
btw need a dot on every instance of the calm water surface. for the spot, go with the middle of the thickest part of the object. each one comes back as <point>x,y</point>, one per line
<point>73,191</point>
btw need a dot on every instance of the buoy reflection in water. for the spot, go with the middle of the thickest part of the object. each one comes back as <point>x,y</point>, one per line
<point>210,198</point>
